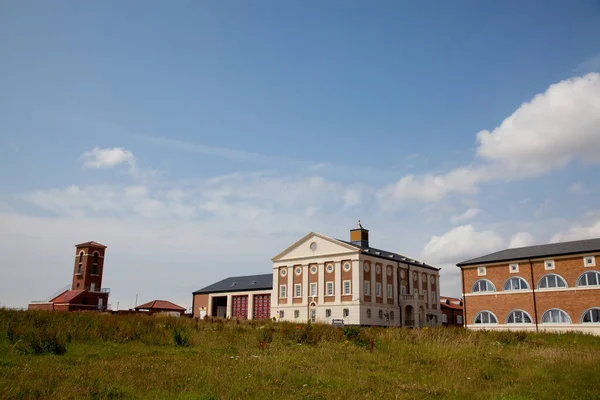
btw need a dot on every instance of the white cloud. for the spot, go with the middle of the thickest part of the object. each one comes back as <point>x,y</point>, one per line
<point>467,215</point>
<point>553,129</point>
<point>579,232</point>
<point>110,157</point>
<point>459,244</point>
<point>576,188</point>
<point>432,187</point>
<point>107,158</point>
<point>521,239</point>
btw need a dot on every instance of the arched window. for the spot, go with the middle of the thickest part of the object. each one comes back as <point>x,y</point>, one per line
<point>516,283</point>
<point>551,281</point>
<point>518,317</point>
<point>81,256</point>
<point>555,316</point>
<point>590,278</point>
<point>95,263</point>
<point>591,316</point>
<point>485,317</point>
<point>483,285</point>
<point>368,313</point>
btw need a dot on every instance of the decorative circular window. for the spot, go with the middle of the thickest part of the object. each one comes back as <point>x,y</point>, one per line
<point>402,274</point>
<point>366,267</point>
<point>283,272</point>
<point>313,269</point>
<point>378,269</point>
<point>298,270</point>
<point>414,276</point>
<point>389,271</point>
<point>347,267</point>
<point>313,246</point>
<point>330,268</point>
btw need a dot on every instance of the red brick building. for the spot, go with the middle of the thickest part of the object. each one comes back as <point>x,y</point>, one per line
<point>452,311</point>
<point>552,287</point>
<point>86,292</point>
<point>161,307</point>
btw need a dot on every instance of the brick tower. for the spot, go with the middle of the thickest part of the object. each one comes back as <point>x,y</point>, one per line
<point>89,266</point>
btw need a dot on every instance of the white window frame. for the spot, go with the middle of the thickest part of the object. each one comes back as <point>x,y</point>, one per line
<point>349,287</point>
<point>558,278</point>
<point>485,323</point>
<point>315,292</point>
<point>328,313</point>
<point>589,310</point>
<point>577,282</point>
<point>390,291</point>
<point>481,271</point>
<point>347,264</point>
<point>513,268</point>
<point>459,319</point>
<point>549,265</point>
<point>297,290</point>
<point>403,289</point>
<point>367,288</point>
<point>296,313</point>
<point>488,283</point>
<point>593,261</point>
<point>283,291</point>
<point>555,309</point>
<point>298,271</point>
<point>346,312</point>
<point>328,267</point>
<point>521,282</point>
<point>433,297</point>
<point>378,289</point>
<point>329,290</point>
<point>523,313</point>
<point>444,319</point>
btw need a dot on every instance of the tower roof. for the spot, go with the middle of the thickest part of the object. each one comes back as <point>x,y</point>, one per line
<point>92,243</point>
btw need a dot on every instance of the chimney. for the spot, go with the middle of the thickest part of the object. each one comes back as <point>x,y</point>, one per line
<point>359,236</point>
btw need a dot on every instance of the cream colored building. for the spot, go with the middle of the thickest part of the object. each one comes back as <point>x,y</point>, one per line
<point>321,279</point>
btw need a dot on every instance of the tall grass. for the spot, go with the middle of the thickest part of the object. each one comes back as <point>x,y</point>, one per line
<point>87,355</point>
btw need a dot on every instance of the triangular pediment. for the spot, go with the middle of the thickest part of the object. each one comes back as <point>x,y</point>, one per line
<point>314,245</point>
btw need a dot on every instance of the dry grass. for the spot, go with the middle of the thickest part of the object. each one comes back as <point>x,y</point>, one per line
<point>142,357</point>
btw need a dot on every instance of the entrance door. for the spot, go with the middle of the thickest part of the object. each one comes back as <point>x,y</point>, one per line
<point>100,303</point>
<point>313,315</point>
<point>262,306</point>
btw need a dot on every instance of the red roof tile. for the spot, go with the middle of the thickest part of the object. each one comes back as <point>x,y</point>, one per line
<point>92,243</point>
<point>160,305</point>
<point>67,296</point>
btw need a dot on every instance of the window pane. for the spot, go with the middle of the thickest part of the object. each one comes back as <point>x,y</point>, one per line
<point>592,279</point>
<point>511,318</point>
<point>587,317</point>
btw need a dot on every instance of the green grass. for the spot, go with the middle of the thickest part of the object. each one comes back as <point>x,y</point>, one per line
<point>122,357</point>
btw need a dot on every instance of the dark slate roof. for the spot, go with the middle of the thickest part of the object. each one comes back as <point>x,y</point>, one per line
<point>544,250</point>
<point>240,284</point>
<point>389,255</point>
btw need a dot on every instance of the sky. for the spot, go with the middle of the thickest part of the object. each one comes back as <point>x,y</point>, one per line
<point>197,140</point>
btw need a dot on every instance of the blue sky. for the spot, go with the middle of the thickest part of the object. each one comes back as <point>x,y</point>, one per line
<point>199,139</point>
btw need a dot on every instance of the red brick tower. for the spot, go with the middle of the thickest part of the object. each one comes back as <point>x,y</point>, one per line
<point>89,266</point>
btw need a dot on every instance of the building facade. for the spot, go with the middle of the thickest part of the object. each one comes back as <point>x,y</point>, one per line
<point>553,287</point>
<point>321,279</point>
<point>86,292</point>
<point>241,297</point>
<point>452,311</point>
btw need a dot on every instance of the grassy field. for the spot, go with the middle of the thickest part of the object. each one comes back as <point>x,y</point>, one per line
<point>82,355</point>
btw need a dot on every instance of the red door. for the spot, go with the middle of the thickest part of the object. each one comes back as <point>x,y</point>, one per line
<point>239,307</point>
<point>262,306</point>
